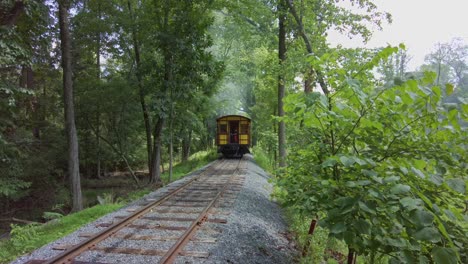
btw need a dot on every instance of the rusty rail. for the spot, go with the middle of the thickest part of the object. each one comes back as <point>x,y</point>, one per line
<point>69,255</point>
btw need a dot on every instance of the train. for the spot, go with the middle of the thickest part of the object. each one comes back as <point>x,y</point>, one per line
<point>233,136</point>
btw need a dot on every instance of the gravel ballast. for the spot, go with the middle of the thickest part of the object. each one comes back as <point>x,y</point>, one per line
<point>255,232</point>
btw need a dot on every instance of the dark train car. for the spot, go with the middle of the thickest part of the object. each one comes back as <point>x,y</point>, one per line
<point>233,136</point>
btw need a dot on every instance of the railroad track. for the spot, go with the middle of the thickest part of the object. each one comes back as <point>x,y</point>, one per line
<point>172,228</point>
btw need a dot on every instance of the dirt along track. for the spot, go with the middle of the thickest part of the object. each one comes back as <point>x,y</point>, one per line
<point>181,223</point>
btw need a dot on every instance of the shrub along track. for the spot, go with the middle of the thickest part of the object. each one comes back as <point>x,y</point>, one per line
<point>160,231</point>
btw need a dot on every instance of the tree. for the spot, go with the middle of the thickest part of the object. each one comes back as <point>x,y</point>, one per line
<point>281,82</point>
<point>437,59</point>
<point>72,138</point>
<point>395,68</point>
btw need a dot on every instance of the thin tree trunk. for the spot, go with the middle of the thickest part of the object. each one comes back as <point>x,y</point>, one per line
<point>98,114</point>
<point>351,256</point>
<point>98,145</point>
<point>171,136</point>
<point>186,146</point>
<point>144,108</point>
<point>155,171</point>
<point>73,161</point>
<point>281,87</point>
<point>118,152</point>
<point>171,152</point>
<point>27,81</point>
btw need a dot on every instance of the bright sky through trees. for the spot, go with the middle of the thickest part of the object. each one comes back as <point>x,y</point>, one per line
<point>419,24</point>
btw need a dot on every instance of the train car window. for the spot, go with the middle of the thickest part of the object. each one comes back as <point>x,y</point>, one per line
<point>244,129</point>
<point>223,129</point>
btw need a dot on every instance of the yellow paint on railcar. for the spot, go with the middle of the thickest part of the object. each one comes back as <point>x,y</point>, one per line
<point>229,132</point>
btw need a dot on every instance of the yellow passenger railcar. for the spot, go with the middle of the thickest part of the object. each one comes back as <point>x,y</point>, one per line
<point>233,136</point>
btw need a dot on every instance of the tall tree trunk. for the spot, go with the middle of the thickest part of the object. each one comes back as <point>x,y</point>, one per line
<point>27,81</point>
<point>281,88</point>
<point>186,141</point>
<point>98,111</point>
<point>155,171</point>
<point>144,108</point>
<point>171,135</point>
<point>72,138</point>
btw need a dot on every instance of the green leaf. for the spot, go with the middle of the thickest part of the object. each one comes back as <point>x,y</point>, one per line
<point>444,255</point>
<point>419,173</point>
<point>363,182</point>
<point>369,173</point>
<point>362,226</point>
<point>398,242</point>
<point>329,163</point>
<point>323,101</point>
<point>347,162</point>
<point>422,218</point>
<point>349,237</point>
<point>366,208</point>
<point>465,108</point>
<point>428,234</point>
<point>419,164</point>
<point>436,179</point>
<point>391,179</point>
<point>410,203</point>
<point>346,204</point>
<point>436,91</point>
<point>338,228</point>
<point>457,185</point>
<point>449,88</point>
<point>400,189</point>
<point>404,170</point>
<point>452,116</point>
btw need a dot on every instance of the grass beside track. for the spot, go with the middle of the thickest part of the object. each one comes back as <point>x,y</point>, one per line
<point>27,238</point>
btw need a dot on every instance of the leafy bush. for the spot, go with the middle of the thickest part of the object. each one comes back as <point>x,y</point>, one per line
<point>381,167</point>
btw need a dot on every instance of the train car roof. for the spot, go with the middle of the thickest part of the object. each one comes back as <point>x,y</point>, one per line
<point>232,116</point>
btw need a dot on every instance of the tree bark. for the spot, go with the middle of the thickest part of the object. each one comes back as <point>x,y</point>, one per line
<point>98,114</point>
<point>171,135</point>
<point>27,81</point>
<point>186,146</point>
<point>281,86</point>
<point>155,171</point>
<point>72,138</point>
<point>351,256</point>
<point>144,108</point>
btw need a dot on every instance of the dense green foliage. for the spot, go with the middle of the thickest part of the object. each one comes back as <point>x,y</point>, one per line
<point>376,153</point>
<point>382,167</point>
<point>126,55</point>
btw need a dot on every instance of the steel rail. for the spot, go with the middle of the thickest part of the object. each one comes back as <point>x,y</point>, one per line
<point>172,253</point>
<point>69,255</point>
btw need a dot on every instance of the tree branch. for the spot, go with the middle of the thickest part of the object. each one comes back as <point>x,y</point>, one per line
<point>308,44</point>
